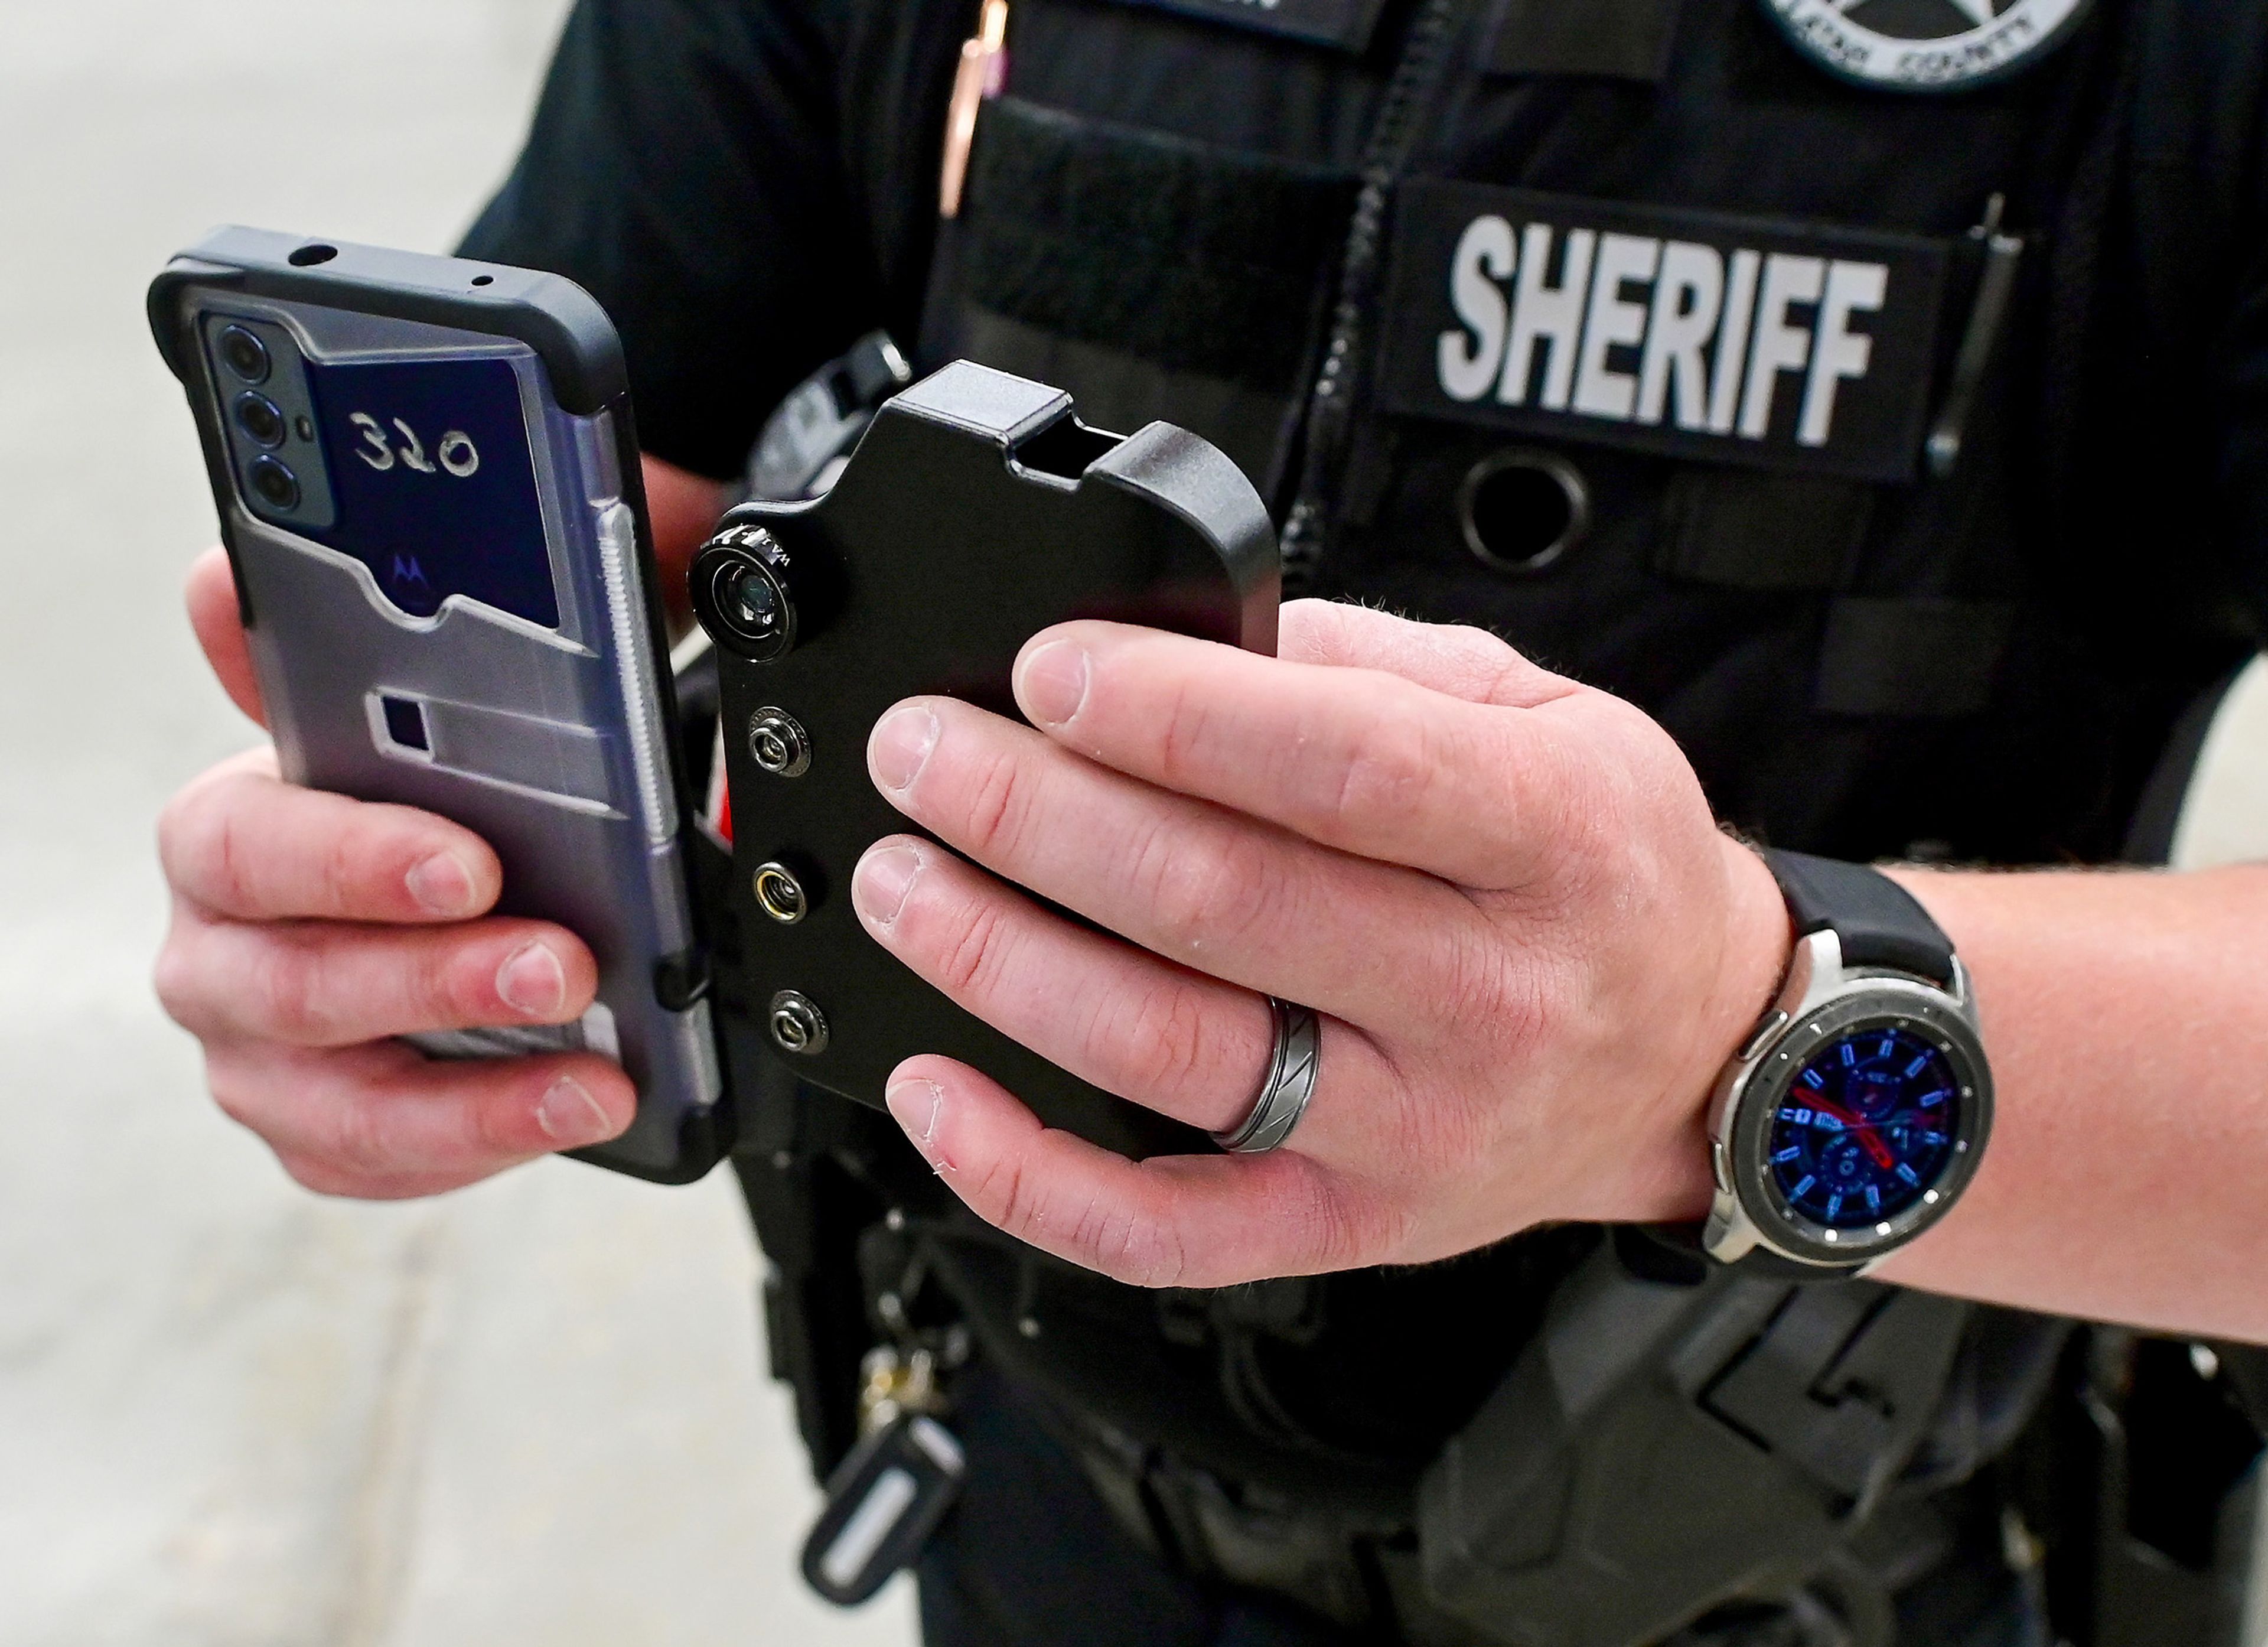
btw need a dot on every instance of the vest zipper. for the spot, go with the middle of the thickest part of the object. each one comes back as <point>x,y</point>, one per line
<point>1330,400</point>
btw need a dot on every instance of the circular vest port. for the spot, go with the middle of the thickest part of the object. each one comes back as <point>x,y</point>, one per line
<point>1523,509</point>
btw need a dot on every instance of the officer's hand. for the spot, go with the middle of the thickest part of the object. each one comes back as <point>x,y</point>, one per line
<point>309,929</point>
<point>1533,947</point>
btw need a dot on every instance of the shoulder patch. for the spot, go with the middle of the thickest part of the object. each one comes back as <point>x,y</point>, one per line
<point>1926,45</point>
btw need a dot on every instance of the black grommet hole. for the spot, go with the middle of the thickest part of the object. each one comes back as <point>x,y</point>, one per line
<point>1522,510</point>
<point>484,280</point>
<point>308,256</point>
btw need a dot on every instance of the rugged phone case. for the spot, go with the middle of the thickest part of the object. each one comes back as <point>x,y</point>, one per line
<point>976,512</point>
<point>451,605</point>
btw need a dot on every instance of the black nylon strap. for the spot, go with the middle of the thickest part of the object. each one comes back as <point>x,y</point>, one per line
<point>1672,1254</point>
<point>1740,529</point>
<point>1878,921</point>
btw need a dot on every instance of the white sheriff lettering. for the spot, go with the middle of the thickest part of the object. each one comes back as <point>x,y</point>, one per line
<point>1467,364</point>
<point>1547,313</point>
<point>1635,329</point>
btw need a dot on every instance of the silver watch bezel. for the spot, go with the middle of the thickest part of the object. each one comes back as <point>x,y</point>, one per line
<point>1820,1000</point>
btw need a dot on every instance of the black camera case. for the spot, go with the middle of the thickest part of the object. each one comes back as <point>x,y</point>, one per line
<point>976,512</point>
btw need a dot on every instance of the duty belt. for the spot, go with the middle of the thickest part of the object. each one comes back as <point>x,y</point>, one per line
<point>1674,1444</point>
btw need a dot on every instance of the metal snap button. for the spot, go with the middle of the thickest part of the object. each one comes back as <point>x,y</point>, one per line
<point>797,1024</point>
<point>1522,509</point>
<point>780,895</point>
<point>779,742</point>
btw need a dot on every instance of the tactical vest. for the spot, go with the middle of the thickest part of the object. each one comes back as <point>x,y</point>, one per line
<point>1858,437</point>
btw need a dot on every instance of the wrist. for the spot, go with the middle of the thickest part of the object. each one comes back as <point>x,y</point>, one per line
<point>1759,942</point>
<point>1743,977</point>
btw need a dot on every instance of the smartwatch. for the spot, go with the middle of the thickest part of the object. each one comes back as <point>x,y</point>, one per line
<point>1855,1114</point>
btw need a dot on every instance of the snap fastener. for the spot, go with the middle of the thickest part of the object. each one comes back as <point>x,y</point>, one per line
<point>780,895</point>
<point>797,1024</point>
<point>779,743</point>
<point>1522,509</point>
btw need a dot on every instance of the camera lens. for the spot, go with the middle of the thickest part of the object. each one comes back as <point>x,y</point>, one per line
<point>273,484</point>
<point>752,617</point>
<point>245,354</point>
<point>753,602</point>
<point>260,417</point>
<point>759,598</point>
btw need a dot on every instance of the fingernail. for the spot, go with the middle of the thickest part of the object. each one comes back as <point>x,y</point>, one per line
<point>1052,684</point>
<point>883,881</point>
<point>914,1105</point>
<point>901,744</point>
<point>532,981</point>
<point>442,885</point>
<point>570,1117</point>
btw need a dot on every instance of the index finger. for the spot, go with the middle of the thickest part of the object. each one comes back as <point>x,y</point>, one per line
<point>1362,760</point>
<point>244,843</point>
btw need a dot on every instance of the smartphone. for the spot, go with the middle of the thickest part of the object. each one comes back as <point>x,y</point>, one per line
<point>428,484</point>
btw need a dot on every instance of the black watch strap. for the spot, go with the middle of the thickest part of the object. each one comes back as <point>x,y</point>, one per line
<point>1878,921</point>
<point>1673,1253</point>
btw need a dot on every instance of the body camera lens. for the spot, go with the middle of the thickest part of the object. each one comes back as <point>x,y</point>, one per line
<point>246,355</point>
<point>273,483</point>
<point>755,604</point>
<point>760,598</point>
<point>741,596</point>
<point>260,417</point>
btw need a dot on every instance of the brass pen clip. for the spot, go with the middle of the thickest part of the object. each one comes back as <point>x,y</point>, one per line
<point>983,70</point>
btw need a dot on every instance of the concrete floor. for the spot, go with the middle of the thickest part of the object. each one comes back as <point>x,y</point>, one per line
<point>233,1415</point>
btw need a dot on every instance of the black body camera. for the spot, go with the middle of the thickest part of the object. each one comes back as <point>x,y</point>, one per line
<point>976,512</point>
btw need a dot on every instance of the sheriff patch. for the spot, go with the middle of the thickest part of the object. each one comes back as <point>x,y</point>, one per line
<point>1782,345</point>
<point>1925,45</point>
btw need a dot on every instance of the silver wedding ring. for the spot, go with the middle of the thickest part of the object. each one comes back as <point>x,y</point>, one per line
<point>1287,1086</point>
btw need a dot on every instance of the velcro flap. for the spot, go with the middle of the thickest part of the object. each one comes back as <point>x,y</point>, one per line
<point>1193,258</point>
<point>1614,39</point>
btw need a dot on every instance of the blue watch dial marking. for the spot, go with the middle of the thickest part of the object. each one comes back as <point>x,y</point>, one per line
<point>1868,1126</point>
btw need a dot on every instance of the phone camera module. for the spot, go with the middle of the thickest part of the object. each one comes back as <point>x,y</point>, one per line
<point>273,483</point>
<point>245,354</point>
<point>260,417</point>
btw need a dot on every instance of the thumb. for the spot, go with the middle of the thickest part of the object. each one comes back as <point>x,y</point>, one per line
<point>212,598</point>
<point>1453,659</point>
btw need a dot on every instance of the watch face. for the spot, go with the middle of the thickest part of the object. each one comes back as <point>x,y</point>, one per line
<point>1867,1128</point>
<point>1861,1125</point>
